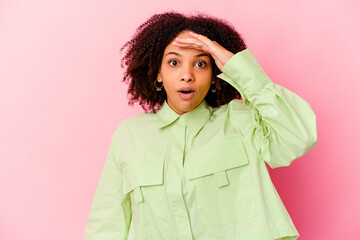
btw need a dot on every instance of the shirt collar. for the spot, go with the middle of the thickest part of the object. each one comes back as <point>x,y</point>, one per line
<point>194,119</point>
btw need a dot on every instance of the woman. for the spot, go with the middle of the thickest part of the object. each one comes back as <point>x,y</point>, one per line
<point>194,168</point>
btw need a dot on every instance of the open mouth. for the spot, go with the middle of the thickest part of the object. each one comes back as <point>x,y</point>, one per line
<point>186,91</point>
<point>186,94</point>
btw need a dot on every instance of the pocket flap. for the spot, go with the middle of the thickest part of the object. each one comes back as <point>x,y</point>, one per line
<point>142,173</point>
<point>215,157</point>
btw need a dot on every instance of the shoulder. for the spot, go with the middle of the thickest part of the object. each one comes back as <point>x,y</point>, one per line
<point>237,106</point>
<point>136,136</point>
<point>136,124</point>
<point>234,106</point>
<point>139,120</point>
<point>236,113</point>
<point>133,132</point>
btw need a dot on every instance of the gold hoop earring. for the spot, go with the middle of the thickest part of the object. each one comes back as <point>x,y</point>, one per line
<point>158,88</point>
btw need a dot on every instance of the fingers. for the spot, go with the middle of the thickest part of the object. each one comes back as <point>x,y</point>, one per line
<point>202,38</point>
<point>198,41</point>
<point>192,43</point>
<point>188,42</point>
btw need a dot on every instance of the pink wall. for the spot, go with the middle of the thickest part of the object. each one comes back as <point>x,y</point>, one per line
<point>61,98</point>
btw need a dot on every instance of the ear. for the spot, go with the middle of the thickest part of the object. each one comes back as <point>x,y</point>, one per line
<point>158,78</point>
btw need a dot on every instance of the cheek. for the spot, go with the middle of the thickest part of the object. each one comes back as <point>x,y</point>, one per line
<point>209,79</point>
<point>205,87</point>
<point>169,89</point>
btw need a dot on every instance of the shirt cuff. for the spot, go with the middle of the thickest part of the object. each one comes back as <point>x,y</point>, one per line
<point>244,73</point>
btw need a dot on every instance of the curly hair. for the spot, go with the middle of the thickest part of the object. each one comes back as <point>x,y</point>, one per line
<point>145,51</point>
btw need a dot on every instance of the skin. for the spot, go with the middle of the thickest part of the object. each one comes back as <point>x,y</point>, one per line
<point>186,62</point>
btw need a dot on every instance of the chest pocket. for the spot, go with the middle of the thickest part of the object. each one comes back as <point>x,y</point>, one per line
<point>219,175</point>
<point>216,158</point>
<point>144,182</point>
<point>141,173</point>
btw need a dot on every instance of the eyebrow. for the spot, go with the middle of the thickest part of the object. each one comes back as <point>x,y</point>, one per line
<point>199,55</point>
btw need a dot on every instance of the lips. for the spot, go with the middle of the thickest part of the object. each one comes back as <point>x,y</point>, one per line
<point>186,90</point>
<point>186,93</point>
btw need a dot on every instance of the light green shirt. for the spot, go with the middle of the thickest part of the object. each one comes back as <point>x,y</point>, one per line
<point>202,175</point>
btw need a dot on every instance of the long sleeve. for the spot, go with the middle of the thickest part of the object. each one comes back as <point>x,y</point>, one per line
<point>110,212</point>
<point>283,124</point>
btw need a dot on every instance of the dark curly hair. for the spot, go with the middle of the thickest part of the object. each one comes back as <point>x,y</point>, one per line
<point>145,51</point>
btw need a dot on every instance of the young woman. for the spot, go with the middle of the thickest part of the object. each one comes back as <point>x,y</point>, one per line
<point>194,166</point>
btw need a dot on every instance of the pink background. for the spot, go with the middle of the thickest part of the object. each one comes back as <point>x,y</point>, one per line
<point>61,98</point>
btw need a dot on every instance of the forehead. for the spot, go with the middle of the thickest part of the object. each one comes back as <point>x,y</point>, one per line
<point>184,51</point>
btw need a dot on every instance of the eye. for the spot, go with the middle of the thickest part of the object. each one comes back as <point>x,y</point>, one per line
<point>202,64</point>
<point>173,61</point>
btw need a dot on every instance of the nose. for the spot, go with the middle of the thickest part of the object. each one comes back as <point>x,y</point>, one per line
<point>187,75</point>
<point>187,79</point>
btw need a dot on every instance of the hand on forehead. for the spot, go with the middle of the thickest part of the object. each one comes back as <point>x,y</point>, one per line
<point>193,40</point>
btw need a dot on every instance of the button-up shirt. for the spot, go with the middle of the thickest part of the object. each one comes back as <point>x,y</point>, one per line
<point>202,175</point>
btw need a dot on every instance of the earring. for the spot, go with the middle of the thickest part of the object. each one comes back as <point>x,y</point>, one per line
<point>158,88</point>
<point>213,90</point>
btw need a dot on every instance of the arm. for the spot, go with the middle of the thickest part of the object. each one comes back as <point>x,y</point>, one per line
<point>110,212</point>
<point>283,125</point>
